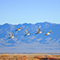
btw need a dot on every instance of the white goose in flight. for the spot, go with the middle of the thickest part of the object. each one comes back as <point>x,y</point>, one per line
<point>11,35</point>
<point>48,33</point>
<point>38,31</point>
<point>18,29</point>
<point>27,33</point>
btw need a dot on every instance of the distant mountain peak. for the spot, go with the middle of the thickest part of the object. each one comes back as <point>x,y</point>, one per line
<point>30,23</point>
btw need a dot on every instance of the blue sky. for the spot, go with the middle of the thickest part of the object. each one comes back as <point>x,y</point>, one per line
<point>29,11</point>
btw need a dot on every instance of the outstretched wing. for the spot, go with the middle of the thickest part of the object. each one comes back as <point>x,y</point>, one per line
<point>27,32</point>
<point>49,31</point>
<point>19,28</point>
<point>39,29</point>
<point>11,34</point>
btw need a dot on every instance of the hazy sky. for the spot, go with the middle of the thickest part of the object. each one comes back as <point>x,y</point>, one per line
<point>29,11</point>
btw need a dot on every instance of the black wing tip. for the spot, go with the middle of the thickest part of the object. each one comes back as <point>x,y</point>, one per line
<point>15,30</point>
<point>9,37</point>
<point>35,33</point>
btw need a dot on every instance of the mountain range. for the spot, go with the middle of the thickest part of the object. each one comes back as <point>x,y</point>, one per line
<point>33,43</point>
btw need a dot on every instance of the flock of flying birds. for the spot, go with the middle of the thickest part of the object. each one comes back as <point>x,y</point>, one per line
<point>27,33</point>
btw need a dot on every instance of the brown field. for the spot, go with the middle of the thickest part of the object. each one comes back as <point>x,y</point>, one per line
<point>29,57</point>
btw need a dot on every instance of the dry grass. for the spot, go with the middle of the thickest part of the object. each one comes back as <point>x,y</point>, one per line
<point>28,57</point>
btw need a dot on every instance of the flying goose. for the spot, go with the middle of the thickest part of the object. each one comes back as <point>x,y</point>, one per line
<point>38,31</point>
<point>18,29</point>
<point>11,35</point>
<point>48,33</point>
<point>27,33</point>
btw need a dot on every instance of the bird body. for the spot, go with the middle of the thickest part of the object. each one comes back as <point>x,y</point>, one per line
<point>26,34</point>
<point>38,32</point>
<point>11,37</point>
